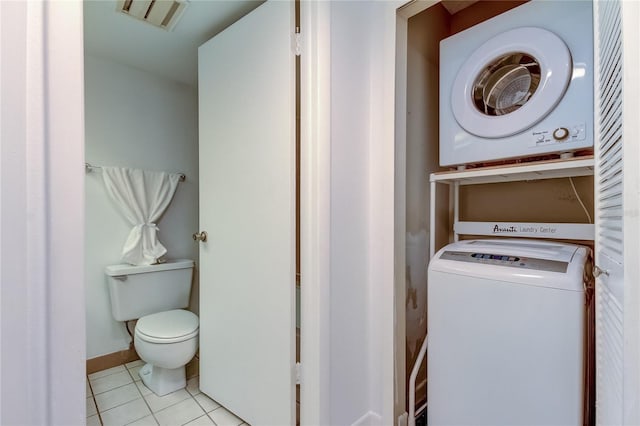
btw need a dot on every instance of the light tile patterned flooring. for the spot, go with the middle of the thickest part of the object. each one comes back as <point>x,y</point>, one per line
<point>117,397</point>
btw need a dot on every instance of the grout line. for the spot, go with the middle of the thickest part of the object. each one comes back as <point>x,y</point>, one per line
<point>89,383</point>
<point>139,418</point>
<point>169,406</point>
<point>131,375</point>
<point>93,396</point>
<point>200,405</point>
<point>152,413</point>
<point>117,387</point>
<point>107,375</point>
<point>145,401</point>
<point>199,417</point>
<point>126,402</point>
<point>119,405</point>
<point>208,416</point>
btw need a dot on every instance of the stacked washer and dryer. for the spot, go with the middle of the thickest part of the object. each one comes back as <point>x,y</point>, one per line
<point>506,317</point>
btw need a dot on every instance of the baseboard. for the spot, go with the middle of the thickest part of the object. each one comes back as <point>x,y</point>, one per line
<point>369,419</point>
<point>403,419</point>
<point>111,360</point>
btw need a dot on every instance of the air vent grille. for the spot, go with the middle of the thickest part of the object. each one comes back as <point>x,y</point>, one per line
<point>160,13</point>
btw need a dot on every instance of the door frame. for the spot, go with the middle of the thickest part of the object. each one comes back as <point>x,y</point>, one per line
<point>48,279</point>
<point>315,188</point>
<point>42,213</point>
<point>631,49</point>
<point>631,204</point>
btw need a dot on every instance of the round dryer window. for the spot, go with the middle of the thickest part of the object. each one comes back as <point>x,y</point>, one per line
<point>511,82</point>
<point>506,84</point>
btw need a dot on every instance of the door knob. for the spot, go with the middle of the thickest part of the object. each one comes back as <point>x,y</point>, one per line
<point>200,236</point>
<point>597,272</point>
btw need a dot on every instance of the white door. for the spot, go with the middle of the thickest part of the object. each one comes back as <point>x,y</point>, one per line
<point>247,207</point>
<point>609,254</point>
<point>617,204</point>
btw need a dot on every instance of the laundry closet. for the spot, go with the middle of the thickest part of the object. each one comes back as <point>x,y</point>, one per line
<point>439,204</point>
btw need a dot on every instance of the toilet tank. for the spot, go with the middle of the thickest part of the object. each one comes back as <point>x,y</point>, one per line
<point>137,291</point>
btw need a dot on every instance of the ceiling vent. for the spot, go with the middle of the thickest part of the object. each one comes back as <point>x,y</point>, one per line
<point>160,13</point>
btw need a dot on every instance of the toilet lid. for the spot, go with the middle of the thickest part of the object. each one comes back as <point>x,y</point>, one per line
<point>168,325</point>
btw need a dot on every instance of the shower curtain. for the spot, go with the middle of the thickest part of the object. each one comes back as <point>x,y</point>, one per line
<point>142,196</point>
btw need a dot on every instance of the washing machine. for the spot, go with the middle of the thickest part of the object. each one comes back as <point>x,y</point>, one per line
<point>506,333</point>
<point>518,85</point>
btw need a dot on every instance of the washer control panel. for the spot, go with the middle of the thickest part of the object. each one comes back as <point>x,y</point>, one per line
<point>506,260</point>
<point>561,134</point>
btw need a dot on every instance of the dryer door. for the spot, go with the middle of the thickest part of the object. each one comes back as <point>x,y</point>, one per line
<point>511,82</point>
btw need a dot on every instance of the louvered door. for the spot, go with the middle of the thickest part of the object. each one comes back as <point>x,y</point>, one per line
<point>616,216</point>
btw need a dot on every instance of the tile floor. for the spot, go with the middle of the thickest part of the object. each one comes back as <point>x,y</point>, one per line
<point>117,397</point>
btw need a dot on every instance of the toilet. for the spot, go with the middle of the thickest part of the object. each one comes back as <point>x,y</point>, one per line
<point>166,335</point>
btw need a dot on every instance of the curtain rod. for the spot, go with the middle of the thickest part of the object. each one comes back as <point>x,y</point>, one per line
<point>88,168</point>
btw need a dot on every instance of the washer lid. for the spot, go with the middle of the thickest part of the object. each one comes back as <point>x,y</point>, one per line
<point>548,250</point>
<point>543,264</point>
<point>511,82</point>
<point>168,325</point>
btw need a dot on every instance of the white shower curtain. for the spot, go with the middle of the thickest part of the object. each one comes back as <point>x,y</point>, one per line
<point>142,197</point>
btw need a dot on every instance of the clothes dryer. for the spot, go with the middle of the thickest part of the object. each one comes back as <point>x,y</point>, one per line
<point>518,85</point>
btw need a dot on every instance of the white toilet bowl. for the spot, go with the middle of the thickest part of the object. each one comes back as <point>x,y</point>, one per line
<point>166,341</point>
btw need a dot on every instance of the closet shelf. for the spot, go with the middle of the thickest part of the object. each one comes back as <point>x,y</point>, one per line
<point>549,169</point>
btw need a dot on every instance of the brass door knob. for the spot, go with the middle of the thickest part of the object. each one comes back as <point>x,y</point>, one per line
<point>200,236</point>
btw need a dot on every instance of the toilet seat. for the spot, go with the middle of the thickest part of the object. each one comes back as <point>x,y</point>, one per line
<point>172,326</point>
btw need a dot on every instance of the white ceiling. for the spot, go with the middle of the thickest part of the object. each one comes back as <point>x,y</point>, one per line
<point>172,54</point>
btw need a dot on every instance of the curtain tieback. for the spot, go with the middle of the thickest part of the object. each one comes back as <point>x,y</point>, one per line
<point>148,225</point>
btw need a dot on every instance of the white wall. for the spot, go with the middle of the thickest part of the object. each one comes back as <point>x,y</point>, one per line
<point>349,214</point>
<point>382,29</point>
<point>134,119</point>
<point>425,31</point>
<point>361,212</point>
